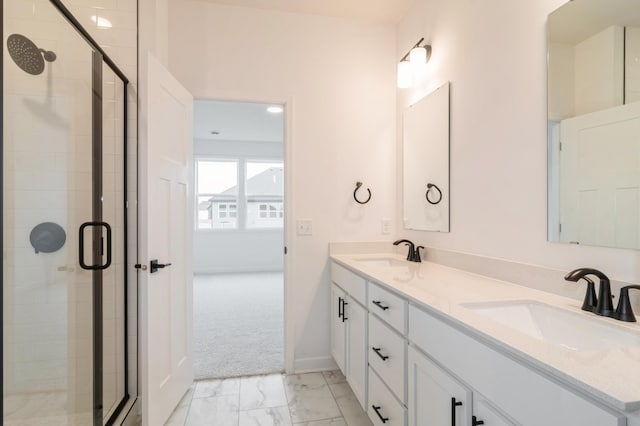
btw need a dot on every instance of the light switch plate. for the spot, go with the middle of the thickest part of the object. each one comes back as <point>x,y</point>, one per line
<point>304,227</point>
<point>385,226</point>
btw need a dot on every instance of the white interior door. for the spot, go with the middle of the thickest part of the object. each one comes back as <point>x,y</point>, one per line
<point>600,182</point>
<point>166,236</point>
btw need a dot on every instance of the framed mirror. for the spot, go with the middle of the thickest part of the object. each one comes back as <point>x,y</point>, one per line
<point>593,83</point>
<point>426,163</point>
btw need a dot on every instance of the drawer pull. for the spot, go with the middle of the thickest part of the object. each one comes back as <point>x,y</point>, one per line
<point>454,404</point>
<point>377,351</point>
<point>380,305</point>
<point>475,421</point>
<point>340,313</point>
<point>376,408</point>
<point>344,312</point>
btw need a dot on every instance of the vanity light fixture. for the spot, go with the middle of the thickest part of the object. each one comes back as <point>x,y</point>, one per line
<point>413,63</point>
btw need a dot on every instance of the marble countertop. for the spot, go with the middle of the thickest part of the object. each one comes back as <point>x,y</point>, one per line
<point>610,374</point>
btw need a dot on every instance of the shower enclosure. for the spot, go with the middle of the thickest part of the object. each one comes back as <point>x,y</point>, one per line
<point>64,299</point>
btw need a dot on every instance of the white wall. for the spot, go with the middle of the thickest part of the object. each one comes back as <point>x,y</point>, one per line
<point>338,79</point>
<point>493,52</point>
<point>245,250</point>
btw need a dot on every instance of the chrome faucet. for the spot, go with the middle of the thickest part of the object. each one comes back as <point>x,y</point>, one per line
<point>412,256</point>
<point>602,305</point>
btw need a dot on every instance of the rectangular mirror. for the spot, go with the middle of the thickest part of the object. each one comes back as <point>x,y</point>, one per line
<point>593,83</point>
<point>426,162</point>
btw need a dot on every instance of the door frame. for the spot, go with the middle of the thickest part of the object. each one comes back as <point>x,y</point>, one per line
<point>289,227</point>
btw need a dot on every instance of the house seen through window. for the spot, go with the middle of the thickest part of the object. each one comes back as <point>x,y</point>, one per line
<point>239,194</point>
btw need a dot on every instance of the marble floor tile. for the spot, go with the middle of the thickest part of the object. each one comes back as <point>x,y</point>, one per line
<point>179,416</point>
<point>339,421</point>
<point>334,376</point>
<point>304,380</point>
<point>218,387</point>
<point>274,416</point>
<point>309,398</point>
<point>218,411</point>
<point>262,392</point>
<point>349,405</point>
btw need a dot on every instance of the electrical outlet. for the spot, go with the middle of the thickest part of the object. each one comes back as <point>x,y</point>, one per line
<point>385,226</point>
<point>304,227</point>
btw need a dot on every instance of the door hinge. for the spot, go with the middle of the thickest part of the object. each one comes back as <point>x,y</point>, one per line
<point>560,145</point>
<point>285,249</point>
<point>560,228</point>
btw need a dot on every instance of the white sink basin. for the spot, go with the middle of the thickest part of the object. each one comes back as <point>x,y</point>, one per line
<point>385,262</point>
<point>572,330</point>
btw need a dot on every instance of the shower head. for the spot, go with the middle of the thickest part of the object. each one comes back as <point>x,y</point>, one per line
<point>27,55</point>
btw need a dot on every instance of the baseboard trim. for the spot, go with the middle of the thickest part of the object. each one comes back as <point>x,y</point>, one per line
<point>309,365</point>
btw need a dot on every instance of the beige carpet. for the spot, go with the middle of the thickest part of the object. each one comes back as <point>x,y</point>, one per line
<point>238,324</point>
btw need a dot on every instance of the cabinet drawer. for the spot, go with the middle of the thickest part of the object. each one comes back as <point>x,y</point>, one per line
<point>387,355</point>
<point>388,306</point>
<point>349,282</point>
<point>386,406</point>
<point>516,386</point>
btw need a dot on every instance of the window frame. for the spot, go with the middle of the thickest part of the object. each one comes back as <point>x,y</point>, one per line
<point>242,199</point>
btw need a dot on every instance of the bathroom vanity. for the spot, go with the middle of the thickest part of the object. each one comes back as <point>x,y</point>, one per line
<point>422,343</point>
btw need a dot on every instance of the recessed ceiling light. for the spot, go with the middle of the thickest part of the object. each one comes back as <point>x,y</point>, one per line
<point>275,109</point>
<point>101,22</point>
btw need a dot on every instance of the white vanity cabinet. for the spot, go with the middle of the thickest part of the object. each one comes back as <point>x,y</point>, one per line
<point>437,398</point>
<point>349,328</point>
<point>387,356</point>
<point>523,394</point>
<point>421,367</point>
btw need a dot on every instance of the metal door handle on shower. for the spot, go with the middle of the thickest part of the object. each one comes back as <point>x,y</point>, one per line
<point>83,265</point>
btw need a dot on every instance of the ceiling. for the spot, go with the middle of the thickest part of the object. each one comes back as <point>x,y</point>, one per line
<point>386,11</point>
<point>236,121</point>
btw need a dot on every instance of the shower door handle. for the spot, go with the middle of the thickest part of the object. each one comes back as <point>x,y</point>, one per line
<point>83,265</point>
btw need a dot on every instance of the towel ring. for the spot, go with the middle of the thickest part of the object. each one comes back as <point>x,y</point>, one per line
<point>433,185</point>
<point>358,185</point>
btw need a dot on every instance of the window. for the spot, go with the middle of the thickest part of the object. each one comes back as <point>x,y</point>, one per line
<point>225,202</point>
<point>265,194</point>
<point>217,194</point>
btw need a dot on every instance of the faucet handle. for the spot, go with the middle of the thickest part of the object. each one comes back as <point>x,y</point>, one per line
<point>590,300</point>
<point>417,258</point>
<point>624,311</point>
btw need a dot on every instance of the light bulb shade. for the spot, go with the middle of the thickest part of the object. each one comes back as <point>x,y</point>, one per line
<point>418,56</point>
<point>405,75</point>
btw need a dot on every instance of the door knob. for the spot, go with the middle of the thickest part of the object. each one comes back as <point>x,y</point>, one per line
<point>155,265</point>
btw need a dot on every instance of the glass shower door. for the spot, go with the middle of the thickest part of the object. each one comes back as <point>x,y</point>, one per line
<point>64,354</point>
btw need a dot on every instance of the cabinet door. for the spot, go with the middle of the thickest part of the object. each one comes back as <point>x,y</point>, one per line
<point>483,411</point>
<point>435,398</point>
<point>357,349</point>
<point>338,334</point>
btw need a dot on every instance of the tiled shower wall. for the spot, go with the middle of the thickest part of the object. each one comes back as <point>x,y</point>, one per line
<point>47,179</point>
